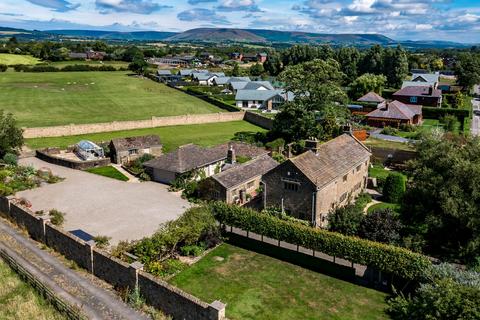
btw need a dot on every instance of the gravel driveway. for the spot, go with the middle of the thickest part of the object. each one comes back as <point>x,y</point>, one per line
<point>104,206</point>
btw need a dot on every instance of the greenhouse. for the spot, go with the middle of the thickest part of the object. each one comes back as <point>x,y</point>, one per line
<point>87,150</point>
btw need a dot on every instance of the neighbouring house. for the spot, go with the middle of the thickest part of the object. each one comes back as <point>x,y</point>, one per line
<point>168,62</point>
<point>204,161</point>
<point>77,55</point>
<point>185,73</point>
<point>204,78</point>
<point>371,97</point>
<point>327,176</point>
<point>124,150</point>
<point>206,56</point>
<point>165,75</point>
<point>262,99</point>
<point>394,114</point>
<point>236,56</point>
<point>258,85</point>
<point>262,57</point>
<point>238,183</point>
<point>432,78</point>
<point>419,95</point>
<point>95,55</point>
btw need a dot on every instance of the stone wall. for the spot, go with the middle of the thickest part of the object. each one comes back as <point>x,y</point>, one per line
<point>169,299</point>
<point>45,155</point>
<point>259,120</point>
<point>77,129</point>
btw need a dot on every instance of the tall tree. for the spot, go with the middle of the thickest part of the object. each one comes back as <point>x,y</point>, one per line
<point>294,123</point>
<point>11,136</point>
<point>366,83</point>
<point>372,60</point>
<point>273,65</point>
<point>349,57</point>
<point>467,70</point>
<point>395,66</point>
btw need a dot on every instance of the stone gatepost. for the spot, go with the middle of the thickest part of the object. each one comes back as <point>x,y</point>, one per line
<point>217,310</point>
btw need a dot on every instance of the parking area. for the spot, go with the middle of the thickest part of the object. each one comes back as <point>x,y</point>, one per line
<point>98,205</point>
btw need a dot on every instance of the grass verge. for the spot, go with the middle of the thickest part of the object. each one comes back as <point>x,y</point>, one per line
<point>108,171</point>
<point>256,286</point>
<point>18,300</point>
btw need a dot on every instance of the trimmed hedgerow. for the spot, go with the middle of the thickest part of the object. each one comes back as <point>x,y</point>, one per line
<point>386,258</point>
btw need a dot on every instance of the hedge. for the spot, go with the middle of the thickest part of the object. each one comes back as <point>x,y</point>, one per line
<point>386,258</point>
<point>68,68</point>
<point>216,102</point>
<point>437,113</point>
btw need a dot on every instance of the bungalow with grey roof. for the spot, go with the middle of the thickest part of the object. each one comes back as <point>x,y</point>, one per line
<point>262,99</point>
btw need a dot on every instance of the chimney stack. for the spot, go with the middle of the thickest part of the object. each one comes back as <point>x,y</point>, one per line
<point>231,157</point>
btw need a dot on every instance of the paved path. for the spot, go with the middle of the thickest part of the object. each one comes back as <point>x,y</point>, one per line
<point>75,288</point>
<point>376,134</point>
<point>104,206</point>
<point>131,178</point>
<point>476,119</point>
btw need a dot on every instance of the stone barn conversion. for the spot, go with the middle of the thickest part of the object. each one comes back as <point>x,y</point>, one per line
<point>310,185</point>
<point>124,150</point>
<point>205,161</point>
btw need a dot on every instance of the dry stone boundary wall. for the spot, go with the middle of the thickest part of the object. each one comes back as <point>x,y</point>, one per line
<point>163,296</point>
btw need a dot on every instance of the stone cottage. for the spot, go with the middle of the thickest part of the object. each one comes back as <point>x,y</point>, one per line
<point>124,150</point>
<point>326,176</point>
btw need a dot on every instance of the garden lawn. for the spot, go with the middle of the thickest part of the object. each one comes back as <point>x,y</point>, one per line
<point>11,59</point>
<point>18,300</point>
<point>108,171</point>
<point>256,286</point>
<point>372,142</point>
<point>59,98</point>
<point>378,171</point>
<point>384,205</point>
<point>208,134</point>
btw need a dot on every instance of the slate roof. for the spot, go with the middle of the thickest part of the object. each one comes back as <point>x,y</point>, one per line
<point>395,110</point>
<point>371,97</point>
<point>417,91</point>
<point>202,76</point>
<point>258,95</point>
<point>191,156</point>
<point>164,72</point>
<point>246,171</point>
<point>239,79</point>
<point>222,80</point>
<point>255,85</point>
<point>185,72</point>
<point>417,84</point>
<point>333,159</point>
<point>140,142</point>
<point>426,77</point>
<point>238,85</point>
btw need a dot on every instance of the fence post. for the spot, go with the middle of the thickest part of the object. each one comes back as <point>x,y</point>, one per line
<point>136,267</point>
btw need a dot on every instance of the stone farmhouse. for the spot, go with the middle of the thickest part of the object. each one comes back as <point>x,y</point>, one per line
<point>237,183</point>
<point>205,161</point>
<point>124,150</point>
<point>326,176</point>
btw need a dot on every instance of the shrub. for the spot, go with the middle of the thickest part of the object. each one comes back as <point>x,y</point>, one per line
<point>5,190</point>
<point>389,131</point>
<point>345,220</point>
<point>165,268</point>
<point>193,250</point>
<point>394,187</point>
<point>386,258</point>
<point>381,226</point>
<point>3,67</point>
<point>450,122</point>
<point>102,241</point>
<point>56,217</point>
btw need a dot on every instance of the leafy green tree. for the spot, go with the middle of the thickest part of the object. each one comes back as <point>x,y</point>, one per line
<point>236,70</point>
<point>367,82</point>
<point>345,220</point>
<point>256,70</point>
<point>372,60</point>
<point>131,53</point>
<point>380,226</point>
<point>294,123</point>
<point>273,65</point>
<point>467,70</point>
<point>395,66</point>
<point>441,205</point>
<point>450,122</point>
<point>138,65</point>
<point>394,187</point>
<point>349,57</point>
<point>11,136</point>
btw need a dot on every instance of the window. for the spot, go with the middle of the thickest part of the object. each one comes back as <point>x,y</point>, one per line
<point>132,151</point>
<point>345,177</point>
<point>413,99</point>
<point>291,186</point>
<point>359,167</point>
<point>250,184</point>
<point>343,197</point>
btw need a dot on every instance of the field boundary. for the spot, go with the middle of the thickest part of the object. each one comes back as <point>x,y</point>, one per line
<point>158,293</point>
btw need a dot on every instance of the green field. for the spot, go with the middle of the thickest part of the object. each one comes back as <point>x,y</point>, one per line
<point>172,137</point>
<point>256,286</point>
<point>109,172</point>
<point>58,98</point>
<point>11,59</point>
<point>116,64</point>
<point>20,301</point>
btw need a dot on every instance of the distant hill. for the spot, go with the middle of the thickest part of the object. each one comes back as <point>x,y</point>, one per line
<point>228,35</point>
<point>272,36</point>
<point>115,35</point>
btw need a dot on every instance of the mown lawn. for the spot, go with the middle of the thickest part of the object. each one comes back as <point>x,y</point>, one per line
<point>384,205</point>
<point>372,142</point>
<point>20,301</point>
<point>109,172</point>
<point>11,59</point>
<point>116,64</point>
<point>256,286</point>
<point>378,171</point>
<point>172,137</point>
<point>58,98</point>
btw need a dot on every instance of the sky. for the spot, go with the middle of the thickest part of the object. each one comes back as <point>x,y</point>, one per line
<point>450,20</point>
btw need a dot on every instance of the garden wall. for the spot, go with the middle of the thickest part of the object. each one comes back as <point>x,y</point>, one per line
<point>160,294</point>
<point>259,120</point>
<point>45,155</point>
<point>77,129</point>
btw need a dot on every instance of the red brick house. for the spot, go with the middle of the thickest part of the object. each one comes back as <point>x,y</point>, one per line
<point>394,114</point>
<point>419,95</point>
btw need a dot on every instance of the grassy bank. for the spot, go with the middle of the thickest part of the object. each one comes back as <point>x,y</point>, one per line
<point>59,98</point>
<point>20,301</point>
<point>109,172</point>
<point>255,286</point>
<point>172,137</point>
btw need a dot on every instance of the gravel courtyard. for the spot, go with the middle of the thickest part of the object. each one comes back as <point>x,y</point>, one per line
<point>104,206</point>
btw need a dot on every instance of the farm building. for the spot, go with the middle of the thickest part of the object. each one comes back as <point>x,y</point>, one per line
<point>124,150</point>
